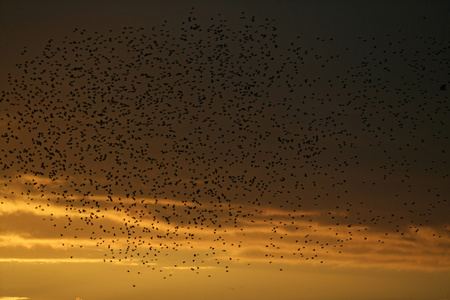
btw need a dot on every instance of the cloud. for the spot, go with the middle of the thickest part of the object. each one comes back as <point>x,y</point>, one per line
<point>14,298</point>
<point>267,233</point>
<point>13,240</point>
<point>59,260</point>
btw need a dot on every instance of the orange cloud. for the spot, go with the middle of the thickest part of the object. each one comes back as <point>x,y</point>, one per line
<point>266,234</point>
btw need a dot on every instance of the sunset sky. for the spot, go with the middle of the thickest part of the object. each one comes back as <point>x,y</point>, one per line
<point>224,150</point>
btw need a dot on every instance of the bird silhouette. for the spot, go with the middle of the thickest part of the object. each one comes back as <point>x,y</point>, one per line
<point>211,134</point>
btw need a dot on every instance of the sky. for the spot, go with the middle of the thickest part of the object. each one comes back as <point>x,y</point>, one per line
<point>224,149</point>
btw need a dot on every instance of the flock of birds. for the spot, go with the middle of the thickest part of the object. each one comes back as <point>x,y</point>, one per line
<point>170,138</point>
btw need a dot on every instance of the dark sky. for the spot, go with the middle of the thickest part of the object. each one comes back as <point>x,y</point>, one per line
<point>185,141</point>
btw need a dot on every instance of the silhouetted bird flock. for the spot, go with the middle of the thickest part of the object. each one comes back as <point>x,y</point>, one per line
<point>185,133</point>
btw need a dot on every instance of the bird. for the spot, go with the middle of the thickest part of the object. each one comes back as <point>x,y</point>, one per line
<point>210,136</point>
